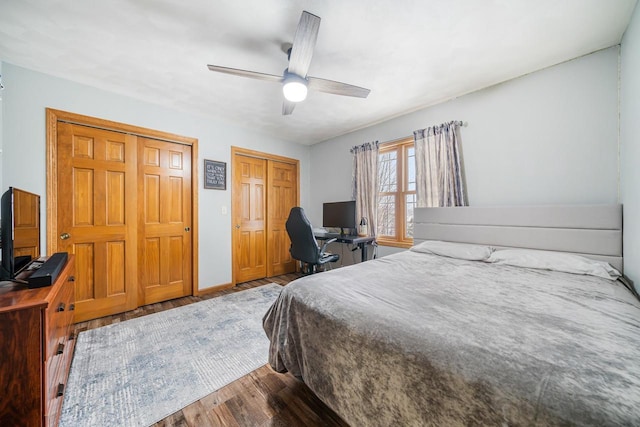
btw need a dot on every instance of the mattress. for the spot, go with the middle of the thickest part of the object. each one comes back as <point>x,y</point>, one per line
<point>415,339</point>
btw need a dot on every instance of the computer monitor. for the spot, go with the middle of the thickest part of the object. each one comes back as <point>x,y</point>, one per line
<point>339,215</point>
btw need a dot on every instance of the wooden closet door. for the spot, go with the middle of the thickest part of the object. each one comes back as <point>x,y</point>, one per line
<point>282,196</point>
<point>249,218</point>
<point>96,211</point>
<point>164,226</point>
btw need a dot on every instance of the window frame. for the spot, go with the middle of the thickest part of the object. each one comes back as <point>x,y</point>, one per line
<point>401,147</point>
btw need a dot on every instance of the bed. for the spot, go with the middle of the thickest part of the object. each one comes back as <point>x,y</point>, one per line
<point>418,338</point>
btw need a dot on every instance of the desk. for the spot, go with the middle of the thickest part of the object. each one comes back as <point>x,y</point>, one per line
<point>361,241</point>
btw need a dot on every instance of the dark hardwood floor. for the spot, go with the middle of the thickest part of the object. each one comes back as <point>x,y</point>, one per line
<point>261,398</point>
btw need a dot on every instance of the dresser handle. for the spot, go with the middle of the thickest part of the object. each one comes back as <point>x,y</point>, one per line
<point>60,349</point>
<point>60,307</point>
<point>72,307</point>
<point>72,279</point>
<point>60,390</point>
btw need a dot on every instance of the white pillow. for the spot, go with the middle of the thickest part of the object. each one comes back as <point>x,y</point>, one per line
<point>556,261</point>
<point>454,250</point>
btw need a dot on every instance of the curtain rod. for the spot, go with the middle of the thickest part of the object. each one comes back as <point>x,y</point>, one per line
<point>458,122</point>
<point>455,122</point>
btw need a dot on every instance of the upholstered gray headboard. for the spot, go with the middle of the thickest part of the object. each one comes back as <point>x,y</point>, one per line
<point>593,231</point>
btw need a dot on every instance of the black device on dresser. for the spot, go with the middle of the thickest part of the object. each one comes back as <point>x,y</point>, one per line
<point>47,272</point>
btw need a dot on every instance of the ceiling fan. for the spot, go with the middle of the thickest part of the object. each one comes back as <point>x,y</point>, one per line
<point>295,80</point>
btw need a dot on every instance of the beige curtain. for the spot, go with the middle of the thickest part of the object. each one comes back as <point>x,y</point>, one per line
<point>365,183</point>
<point>439,176</point>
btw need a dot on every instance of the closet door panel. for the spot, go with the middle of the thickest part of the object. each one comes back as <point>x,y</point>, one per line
<point>283,195</point>
<point>164,228</point>
<point>249,222</point>
<point>96,213</point>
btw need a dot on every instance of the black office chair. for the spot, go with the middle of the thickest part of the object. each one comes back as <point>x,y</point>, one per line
<point>304,246</point>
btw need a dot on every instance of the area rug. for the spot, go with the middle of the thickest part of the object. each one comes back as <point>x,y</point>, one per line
<point>140,371</point>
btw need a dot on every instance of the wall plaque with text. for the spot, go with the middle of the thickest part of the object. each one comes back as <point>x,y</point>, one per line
<point>215,175</point>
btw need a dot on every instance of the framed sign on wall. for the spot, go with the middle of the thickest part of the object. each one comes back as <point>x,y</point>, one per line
<point>215,175</point>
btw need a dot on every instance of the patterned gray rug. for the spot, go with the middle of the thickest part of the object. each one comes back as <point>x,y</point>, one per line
<point>138,372</point>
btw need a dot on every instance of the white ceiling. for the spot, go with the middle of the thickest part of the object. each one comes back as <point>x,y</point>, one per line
<point>410,53</point>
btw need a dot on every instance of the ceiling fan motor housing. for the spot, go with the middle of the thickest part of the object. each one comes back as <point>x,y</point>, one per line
<point>294,86</point>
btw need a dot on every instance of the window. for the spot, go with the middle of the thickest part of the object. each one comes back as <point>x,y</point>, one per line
<point>397,193</point>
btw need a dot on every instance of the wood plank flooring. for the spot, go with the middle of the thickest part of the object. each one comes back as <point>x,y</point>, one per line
<point>261,398</point>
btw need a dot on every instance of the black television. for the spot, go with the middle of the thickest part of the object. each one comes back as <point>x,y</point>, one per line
<point>20,231</point>
<point>339,215</point>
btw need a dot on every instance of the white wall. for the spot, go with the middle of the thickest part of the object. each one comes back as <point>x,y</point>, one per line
<point>547,137</point>
<point>630,146</point>
<point>27,93</point>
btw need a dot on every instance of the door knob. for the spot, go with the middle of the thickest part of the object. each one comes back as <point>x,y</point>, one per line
<point>187,229</point>
<point>237,225</point>
<point>65,236</point>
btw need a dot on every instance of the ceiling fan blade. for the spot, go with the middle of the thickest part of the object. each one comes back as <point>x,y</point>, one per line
<point>337,88</point>
<point>303,44</point>
<point>245,73</point>
<point>287,107</point>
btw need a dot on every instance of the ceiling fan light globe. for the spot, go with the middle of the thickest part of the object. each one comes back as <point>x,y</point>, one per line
<point>294,91</point>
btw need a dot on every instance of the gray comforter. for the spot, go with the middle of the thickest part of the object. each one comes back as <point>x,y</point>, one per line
<point>414,339</point>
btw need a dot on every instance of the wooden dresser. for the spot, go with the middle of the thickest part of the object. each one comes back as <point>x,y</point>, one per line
<point>36,347</point>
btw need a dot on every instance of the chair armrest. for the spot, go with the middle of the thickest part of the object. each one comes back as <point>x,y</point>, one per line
<point>324,247</point>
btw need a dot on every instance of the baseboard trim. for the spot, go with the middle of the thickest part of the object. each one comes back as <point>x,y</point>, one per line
<point>213,289</point>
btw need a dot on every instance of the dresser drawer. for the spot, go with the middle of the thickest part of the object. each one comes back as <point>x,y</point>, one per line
<point>56,372</point>
<point>59,318</point>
